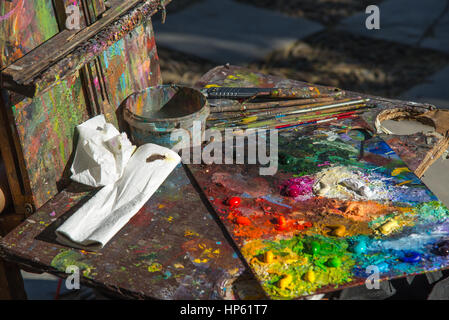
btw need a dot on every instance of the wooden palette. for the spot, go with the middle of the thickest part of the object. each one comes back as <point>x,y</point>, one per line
<point>341,206</point>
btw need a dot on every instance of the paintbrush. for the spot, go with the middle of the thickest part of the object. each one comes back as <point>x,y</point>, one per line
<point>322,119</point>
<point>277,111</point>
<point>347,115</point>
<point>270,114</point>
<point>278,120</point>
<point>235,115</point>
<point>274,111</point>
<point>273,122</point>
<point>314,109</point>
<point>269,104</point>
<point>284,93</point>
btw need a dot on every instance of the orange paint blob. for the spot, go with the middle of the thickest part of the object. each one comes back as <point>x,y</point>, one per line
<point>243,221</point>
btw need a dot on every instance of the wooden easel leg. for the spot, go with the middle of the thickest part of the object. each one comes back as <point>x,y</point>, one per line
<point>11,282</point>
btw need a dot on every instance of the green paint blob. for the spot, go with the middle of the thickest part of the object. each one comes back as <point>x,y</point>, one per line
<point>432,211</point>
<point>71,258</point>
<point>295,257</point>
<point>315,247</point>
<point>304,154</point>
<point>335,262</point>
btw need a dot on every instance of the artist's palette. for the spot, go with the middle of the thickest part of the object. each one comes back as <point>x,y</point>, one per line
<point>341,207</point>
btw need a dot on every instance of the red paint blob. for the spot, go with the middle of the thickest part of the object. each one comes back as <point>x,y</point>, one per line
<point>234,202</point>
<point>308,224</point>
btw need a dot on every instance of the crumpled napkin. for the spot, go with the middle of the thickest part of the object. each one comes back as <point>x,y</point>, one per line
<point>132,183</point>
<point>101,154</point>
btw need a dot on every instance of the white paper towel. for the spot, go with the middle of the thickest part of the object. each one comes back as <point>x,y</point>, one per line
<point>101,154</point>
<point>102,216</point>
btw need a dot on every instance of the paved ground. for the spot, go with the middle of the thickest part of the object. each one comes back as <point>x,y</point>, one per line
<point>435,90</point>
<point>228,31</point>
<point>40,286</point>
<point>44,286</point>
<point>409,22</point>
<point>417,23</point>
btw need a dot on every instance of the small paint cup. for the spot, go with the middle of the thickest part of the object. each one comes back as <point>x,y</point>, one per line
<point>155,113</point>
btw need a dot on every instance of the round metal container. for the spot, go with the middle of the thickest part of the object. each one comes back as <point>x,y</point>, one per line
<point>155,112</point>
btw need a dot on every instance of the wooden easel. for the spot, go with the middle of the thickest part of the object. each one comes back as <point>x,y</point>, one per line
<point>69,62</point>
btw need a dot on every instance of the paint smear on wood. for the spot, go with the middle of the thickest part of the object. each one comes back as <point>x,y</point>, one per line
<point>24,25</point>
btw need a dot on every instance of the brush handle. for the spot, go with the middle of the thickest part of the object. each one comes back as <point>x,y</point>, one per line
<point>277,114</point>
<point>269,104</point>
<point>235,93</point>
<point>284,93</point>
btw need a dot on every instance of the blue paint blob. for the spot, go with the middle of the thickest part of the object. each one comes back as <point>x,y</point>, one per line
<point>383,267</point>
<point>411,257</point>
<point>359,247</point>
<point>380,148</point>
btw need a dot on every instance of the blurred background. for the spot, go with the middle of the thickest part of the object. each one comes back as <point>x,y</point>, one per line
<point>318,41</point>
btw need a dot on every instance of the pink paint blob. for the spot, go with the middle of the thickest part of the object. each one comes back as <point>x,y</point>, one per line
<point>298,187</point>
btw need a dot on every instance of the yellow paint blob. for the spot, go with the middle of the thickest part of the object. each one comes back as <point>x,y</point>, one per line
<point>200,261</point>
<point>388,227</point>
<point>189,233</point>
<point>339,231</point>
<point>154,267</point>
<point>405,182</point>
<point>269,257</point>
<point>249,119</point>
<point>310,276</point>
<point>285,281</point>
<point>400,170</point>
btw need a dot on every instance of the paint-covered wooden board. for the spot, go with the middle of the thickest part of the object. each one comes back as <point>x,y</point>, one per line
<point>72,49</point>
<point>341,206</point>
<point>171,249</point>
<point>46,126</point>
<point>405,146</point>
<point>24,25</point>
<point>130,65</point>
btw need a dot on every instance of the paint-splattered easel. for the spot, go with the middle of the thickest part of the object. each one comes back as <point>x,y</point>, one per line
<point>68,76</point>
